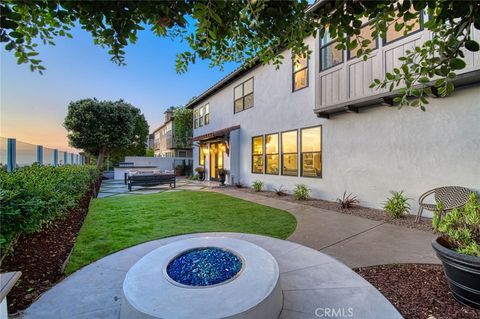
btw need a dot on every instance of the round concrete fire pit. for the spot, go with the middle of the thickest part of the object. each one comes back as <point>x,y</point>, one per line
<point>203,277</point>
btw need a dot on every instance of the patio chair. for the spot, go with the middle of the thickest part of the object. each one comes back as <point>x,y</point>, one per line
<point>450,196</point>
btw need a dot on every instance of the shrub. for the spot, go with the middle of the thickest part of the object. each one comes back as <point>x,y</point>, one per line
<point>461,227</point>
<point>301,192</point>
<point>281,191</point>
<point>397,205</point>
<point>347,201</point>
<point>32,196</point>
<point>200,169</point>
<point>257,186</point>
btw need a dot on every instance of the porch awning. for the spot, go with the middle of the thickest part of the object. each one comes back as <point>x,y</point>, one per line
<point>215,134</point>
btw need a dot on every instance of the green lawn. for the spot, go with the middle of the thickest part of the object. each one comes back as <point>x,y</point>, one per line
<point>119,222</point>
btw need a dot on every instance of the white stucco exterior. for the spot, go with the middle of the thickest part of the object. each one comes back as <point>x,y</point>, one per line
<point>368,154</point>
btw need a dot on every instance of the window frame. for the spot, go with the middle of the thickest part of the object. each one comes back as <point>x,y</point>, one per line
<point>262,155</point>
<point>421,20</point>
<point>321,153</point>
<point>200,153</point>
<point>295,72</point>
<point>321,47</point>
<point>265,153</point>
<point>206,115</point>
<point>200,116</point>
<point>195,118</point>
<point>349,57</point>
<point>243,95</point>
<point>282,153</point>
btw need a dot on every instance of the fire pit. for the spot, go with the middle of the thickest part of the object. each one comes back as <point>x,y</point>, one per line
<point>203,277</point>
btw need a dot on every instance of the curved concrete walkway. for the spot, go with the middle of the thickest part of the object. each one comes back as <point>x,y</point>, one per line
<point>355,241</point>
<point>314,285</point>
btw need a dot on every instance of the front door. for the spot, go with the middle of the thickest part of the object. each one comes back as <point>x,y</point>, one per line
<point>216,160</point>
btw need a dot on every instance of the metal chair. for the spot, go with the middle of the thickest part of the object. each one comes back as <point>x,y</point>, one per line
<point>450,196</point>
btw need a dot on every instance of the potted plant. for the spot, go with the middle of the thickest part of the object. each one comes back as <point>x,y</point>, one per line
<point>458,247</point>
<point>222,173</point>
<point>201,172</point>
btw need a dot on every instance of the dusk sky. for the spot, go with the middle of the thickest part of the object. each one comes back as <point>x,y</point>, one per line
<point>33,106</point>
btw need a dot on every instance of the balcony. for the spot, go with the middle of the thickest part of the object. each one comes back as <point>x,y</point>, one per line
<point>346,87</point>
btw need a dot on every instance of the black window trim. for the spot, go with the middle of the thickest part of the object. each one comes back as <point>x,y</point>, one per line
<point>421,21</point>
<point>263,154</point>
<point>321,153</point>
<point>376,42</point>
<point>295,72</point>
<point>282,153</point>
<point>243,96</point>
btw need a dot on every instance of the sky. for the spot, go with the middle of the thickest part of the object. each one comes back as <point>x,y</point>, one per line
<point>33,106</point>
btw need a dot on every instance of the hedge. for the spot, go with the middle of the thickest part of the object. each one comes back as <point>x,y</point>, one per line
<point>33,196</point>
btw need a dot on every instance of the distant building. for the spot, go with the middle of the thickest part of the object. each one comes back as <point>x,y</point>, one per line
<point>164,140</point>
<point>150,141</point>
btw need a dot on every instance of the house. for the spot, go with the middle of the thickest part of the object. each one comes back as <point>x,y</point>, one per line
<point>164,143</point>
<point>317,122</point>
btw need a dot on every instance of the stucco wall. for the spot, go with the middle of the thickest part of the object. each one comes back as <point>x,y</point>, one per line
<point>368,154</point>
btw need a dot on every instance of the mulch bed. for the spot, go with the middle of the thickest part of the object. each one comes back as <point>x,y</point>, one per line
<point>40,256</point>
<point>408,221</point>
<point>418,291</point>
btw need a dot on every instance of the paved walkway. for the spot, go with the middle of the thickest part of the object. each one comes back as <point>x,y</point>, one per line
<point>355,241</point>
<point>311,283</point>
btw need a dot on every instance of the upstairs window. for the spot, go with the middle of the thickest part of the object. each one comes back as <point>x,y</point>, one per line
<point>300,73</point>
<point>243,96</point>
<point>271,154</point>
<point>207,113</point>
<point>393,35</point>
<point>289,153</point>
<point>200,116</point>
<point>329,54</point>
<point>365,34</point>
<point>311,151</point>
<point>195,118</point>
<point>257,154</point>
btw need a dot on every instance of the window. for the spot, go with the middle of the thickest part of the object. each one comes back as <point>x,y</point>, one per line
<point>257,154</point>
<point>300,73</point>
<point>201,154</point>
<point>243,96</point>
<point>393,35</point>
<point>365,34</point>
<point>271,154</point>
<point>289,153</point>
<point>311,148</point>
<point>195,119</point>
<point>329,55</point>
<point>200,116</point>
<point>207,114</point>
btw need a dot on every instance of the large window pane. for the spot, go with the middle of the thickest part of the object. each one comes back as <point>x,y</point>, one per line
<point>365,34</point>
<point>289,153</point>
<point>257,155</point>
<point>311,165</point>
<point>300,79</point>
<point>311,151</point>
<point>201,154</point>
<point>393,35</point>
<point>239,105</point>
<point>258,145</point>
<point>238,92</point>
<point>248,101</point>
<point>311,139</point>
<point>299,63</point>
<point>330,55</point>
<point>248,87</point>
<point>271,151</point>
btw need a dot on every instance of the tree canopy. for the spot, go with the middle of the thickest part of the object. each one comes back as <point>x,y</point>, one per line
<point>183,130</point>
<point>105,127</point>
<point>251,30</point>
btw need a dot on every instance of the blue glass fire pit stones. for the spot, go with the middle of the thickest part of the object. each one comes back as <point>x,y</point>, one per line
<point>204,267</point>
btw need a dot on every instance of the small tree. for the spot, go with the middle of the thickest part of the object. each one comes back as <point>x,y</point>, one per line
<point>182,119</point>
<point>101,127</point>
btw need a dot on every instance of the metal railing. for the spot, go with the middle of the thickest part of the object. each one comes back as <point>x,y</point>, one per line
<point>15,154</point>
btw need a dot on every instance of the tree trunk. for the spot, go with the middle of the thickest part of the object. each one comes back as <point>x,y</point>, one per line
<point>101,157</point>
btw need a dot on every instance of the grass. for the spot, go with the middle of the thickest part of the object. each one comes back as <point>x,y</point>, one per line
<point>115,223</point>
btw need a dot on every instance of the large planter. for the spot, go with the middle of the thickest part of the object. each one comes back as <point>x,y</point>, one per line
<point>462,272</point>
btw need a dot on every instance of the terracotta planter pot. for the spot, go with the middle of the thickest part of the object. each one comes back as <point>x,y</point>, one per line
<point>462,272</point>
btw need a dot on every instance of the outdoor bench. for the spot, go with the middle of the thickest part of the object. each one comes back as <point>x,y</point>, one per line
<point>150,180</point>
